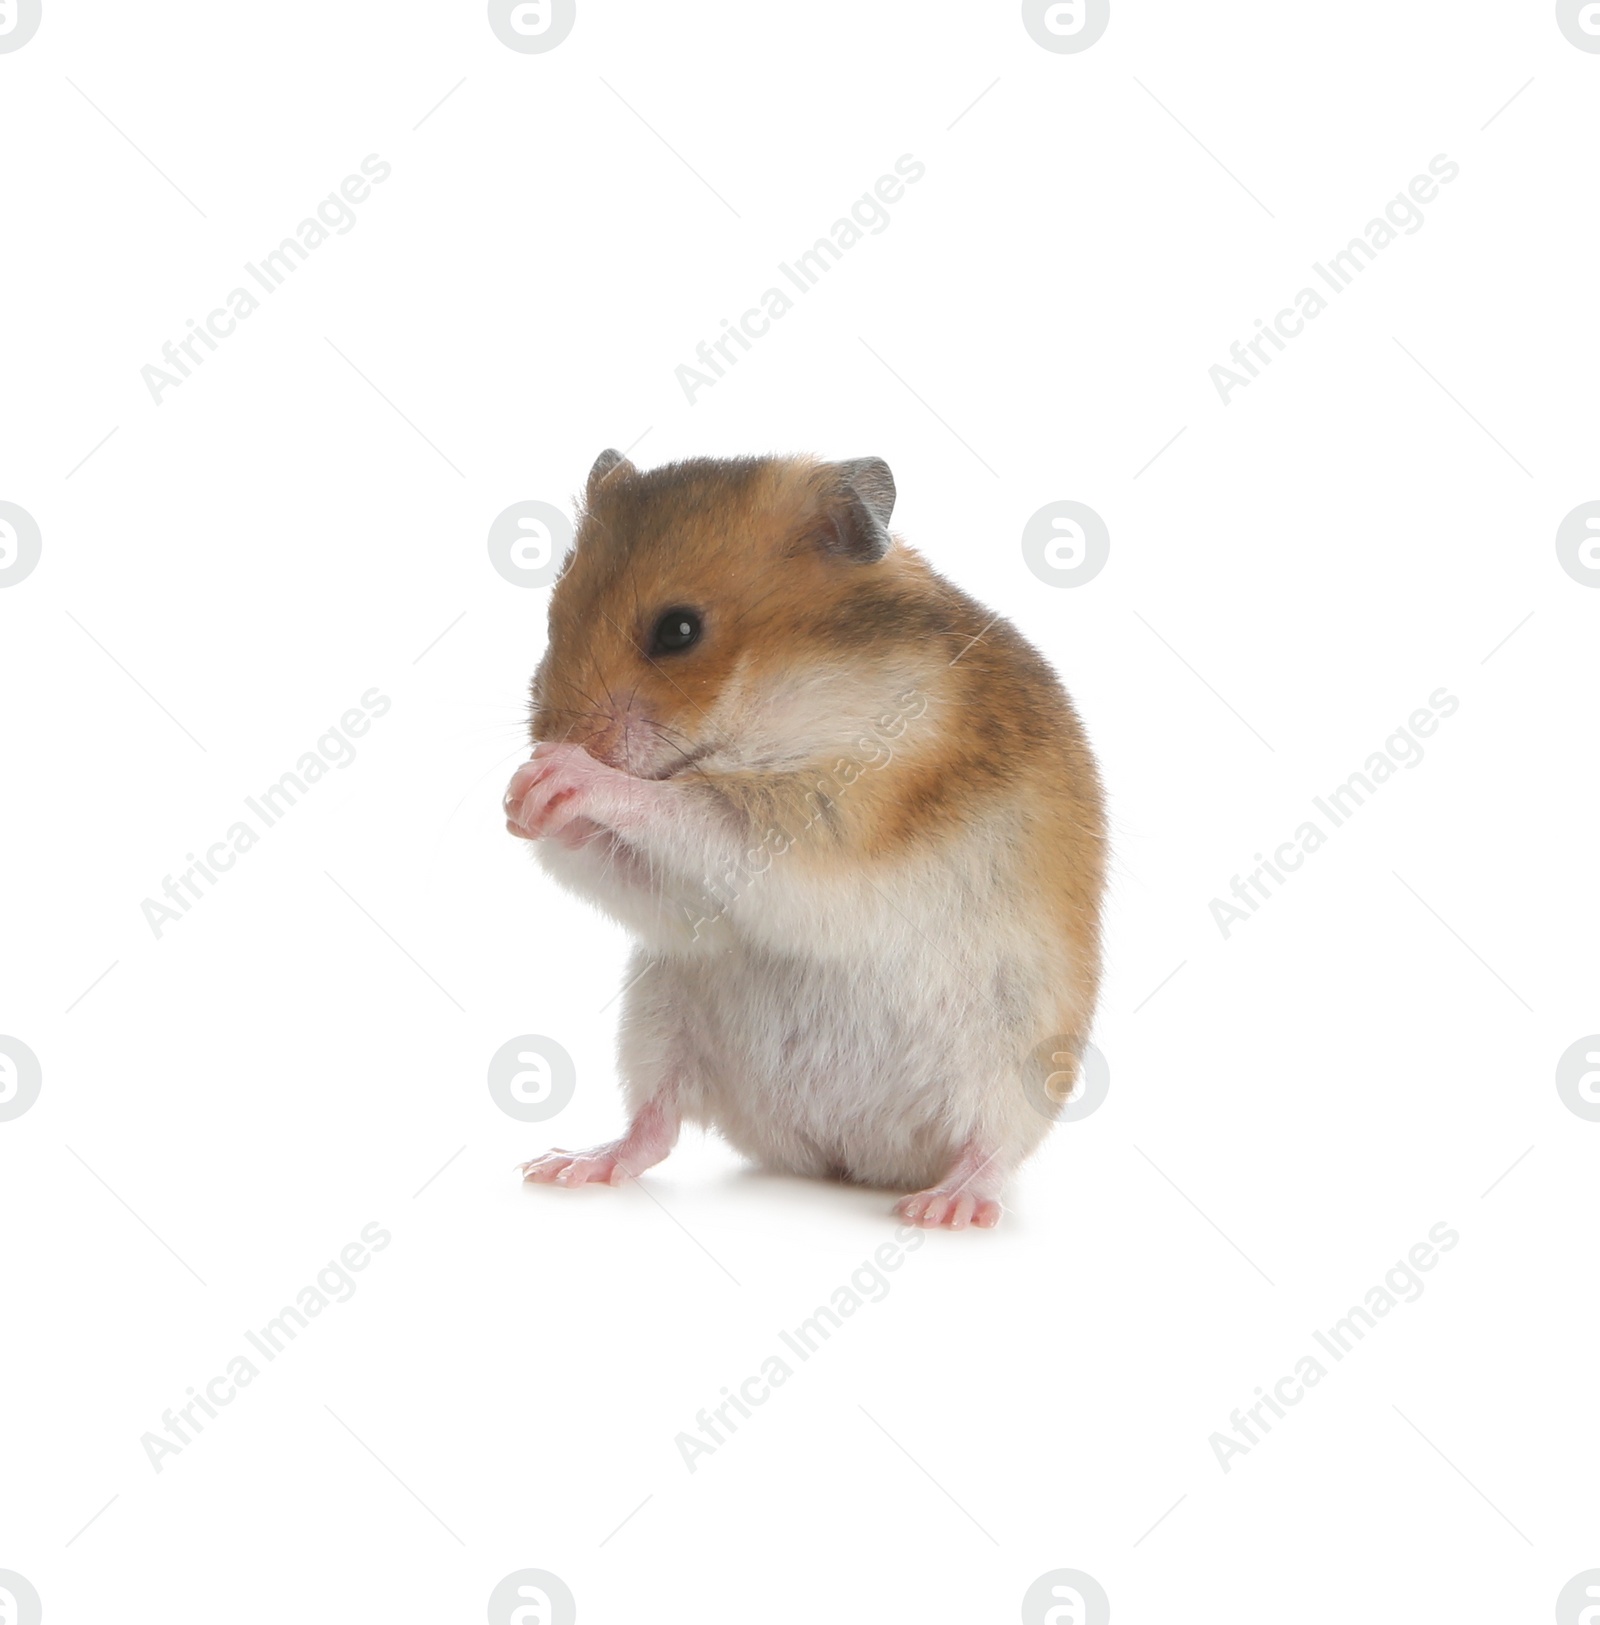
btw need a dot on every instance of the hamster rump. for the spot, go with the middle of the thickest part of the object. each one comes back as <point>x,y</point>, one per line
<point>850,817</point>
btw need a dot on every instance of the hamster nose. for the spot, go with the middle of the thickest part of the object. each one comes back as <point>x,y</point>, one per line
<point>600,744</point>
<point>609,744</point>
<point>621,736</point>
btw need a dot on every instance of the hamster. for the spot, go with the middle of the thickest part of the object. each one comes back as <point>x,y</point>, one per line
<point>850,817</point>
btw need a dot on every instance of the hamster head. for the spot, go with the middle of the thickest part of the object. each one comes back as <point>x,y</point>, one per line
<point>734,615</point>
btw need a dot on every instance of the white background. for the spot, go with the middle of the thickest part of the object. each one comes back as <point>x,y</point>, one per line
<point>1289,579</point>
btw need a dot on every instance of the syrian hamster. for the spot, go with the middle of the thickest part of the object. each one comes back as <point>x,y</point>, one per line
<point>849,815</point>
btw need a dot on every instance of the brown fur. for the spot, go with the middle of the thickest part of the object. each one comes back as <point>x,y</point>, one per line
<point>749,543</point>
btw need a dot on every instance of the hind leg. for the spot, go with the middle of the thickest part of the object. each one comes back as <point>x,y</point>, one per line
<point>651,1135</point>
<point>969,1193</point>
<point>657,1066</point>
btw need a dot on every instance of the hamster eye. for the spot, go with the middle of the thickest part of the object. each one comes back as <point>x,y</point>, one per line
<point>677,630</point>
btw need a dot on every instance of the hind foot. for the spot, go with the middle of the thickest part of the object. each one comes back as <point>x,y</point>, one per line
<point>950,1208</point>
<point>652,1135</point>
<point>965,1196</point>
<point>602,1166</point>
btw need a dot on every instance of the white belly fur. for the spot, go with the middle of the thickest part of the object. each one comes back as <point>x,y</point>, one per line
<point>897,1034</point>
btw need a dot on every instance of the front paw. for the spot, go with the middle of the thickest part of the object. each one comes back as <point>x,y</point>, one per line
<point>583,832</point>
<point>554,792</point>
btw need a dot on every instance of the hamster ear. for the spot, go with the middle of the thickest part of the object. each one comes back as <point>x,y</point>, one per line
<point>606,464</point>
<point>858,514</point>
<point>873,483</point>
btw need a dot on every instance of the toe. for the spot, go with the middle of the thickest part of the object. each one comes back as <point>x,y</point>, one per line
<point>544,1170</point>
<point>950,1209</point>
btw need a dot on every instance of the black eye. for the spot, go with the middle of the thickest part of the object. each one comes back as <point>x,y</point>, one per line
<point>677,630</point>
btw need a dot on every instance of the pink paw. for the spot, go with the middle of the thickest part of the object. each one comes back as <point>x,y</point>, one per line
<point>582,832</point>
<point>950,1207</point>
<point>602,1166</point>
<point>548,795</point>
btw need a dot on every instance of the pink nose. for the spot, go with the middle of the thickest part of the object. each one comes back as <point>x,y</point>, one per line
<point>609,744</point>
<point>622,736</point>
